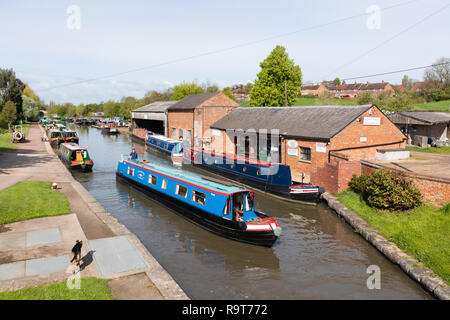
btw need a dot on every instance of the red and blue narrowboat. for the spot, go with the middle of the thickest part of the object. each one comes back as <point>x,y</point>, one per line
<point>274,178</point>
<point>220,207</point>
<point>75,156</point>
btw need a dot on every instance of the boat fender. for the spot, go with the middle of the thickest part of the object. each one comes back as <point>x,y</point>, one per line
<point>143,161</point>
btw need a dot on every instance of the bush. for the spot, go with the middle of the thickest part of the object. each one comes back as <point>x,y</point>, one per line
<point>387,189</point>
<point>446,208</point>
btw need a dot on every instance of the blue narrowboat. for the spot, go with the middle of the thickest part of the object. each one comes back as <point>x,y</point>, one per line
<point>220,207</point>
<point>270,177</point>
<point>162,143</point>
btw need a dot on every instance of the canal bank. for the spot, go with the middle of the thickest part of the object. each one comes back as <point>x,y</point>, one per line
<point>423,275</point>
<point>117,253</point>
<point>318,256</point>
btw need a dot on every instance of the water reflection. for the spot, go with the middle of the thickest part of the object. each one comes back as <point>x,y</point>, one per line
<point>317,257</point>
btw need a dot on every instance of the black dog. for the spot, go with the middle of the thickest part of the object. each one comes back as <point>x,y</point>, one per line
<point>76,251</point>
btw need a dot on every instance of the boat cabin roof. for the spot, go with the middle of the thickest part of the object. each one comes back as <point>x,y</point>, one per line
<point>191,178</point>
<point>73,146</point>
<point>163,138</point>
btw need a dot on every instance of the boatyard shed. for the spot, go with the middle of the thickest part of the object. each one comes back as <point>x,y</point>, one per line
<point>152,117</point>
<point>190,118</point>
<point>423,127</point>
<point>311,139</point>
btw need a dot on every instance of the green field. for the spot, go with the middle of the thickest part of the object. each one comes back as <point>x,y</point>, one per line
<point>439,106</point>
<point>31,199</point>
<point>5,138</point>
<point>422,233</point>
<point>441,150</point>
<point>90,289</point>
<point>309,101</point>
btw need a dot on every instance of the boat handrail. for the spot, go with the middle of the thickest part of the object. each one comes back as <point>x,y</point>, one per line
<point>124,156</point>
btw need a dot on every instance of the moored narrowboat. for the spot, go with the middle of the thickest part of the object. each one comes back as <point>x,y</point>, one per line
<point>217,206</point>
<point>75,156</point>
<point>55,138</point>
<point>164,144</point>
<point>70,136</point>
<point>274,178</point>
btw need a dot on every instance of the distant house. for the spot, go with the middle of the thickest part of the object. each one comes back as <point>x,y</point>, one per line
<point>421,126</point>
<point>313,89</point>
<point>418,86</point>
<point>352,90</point>
<point>398,87</point>
<point>240,95</point>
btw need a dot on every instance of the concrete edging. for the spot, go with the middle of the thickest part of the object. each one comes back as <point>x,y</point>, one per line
<point>423,275</point>
<point>167,286</point>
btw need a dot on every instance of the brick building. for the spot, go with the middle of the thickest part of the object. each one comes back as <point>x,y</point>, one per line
<point>321,144</point>
<point>191,117</point>
<point>314,89</point>
<point>352,90</point>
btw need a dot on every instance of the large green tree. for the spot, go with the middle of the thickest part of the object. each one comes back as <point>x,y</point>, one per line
<point>8,114</point>
<point>278,81</point>
<point>11,89</point>
<point>30,108</point>
<point>184,89</point>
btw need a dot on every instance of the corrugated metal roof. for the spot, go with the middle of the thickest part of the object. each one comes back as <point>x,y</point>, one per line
<point>316,122</point>
<point>420,117</point>
<point>192,101</point>
<point>158,106</point>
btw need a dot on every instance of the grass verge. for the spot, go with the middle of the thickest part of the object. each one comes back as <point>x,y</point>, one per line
<point>422,233</point>
<point>31,199</point>
<point>90,289</point>
<point>5,138</point>
<point>443,106</point>
<point>441,150</point>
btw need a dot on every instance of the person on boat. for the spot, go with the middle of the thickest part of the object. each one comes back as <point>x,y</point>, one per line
<point>133,154</point>
<point>239,213</point>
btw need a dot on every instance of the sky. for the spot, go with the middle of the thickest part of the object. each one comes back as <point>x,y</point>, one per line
<point>93,56</point>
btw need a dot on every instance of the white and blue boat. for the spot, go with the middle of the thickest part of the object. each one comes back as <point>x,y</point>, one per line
<point>220,207</point>
<point>164,144</point>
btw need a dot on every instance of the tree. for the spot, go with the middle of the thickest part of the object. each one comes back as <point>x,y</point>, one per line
<point>326,98</point>
<point>337,81</point>
<point>228,93</point>
<point>213,88</point>
<point>278,81</point>
<point>184,89</point>
<point>30,108</point>
<point>366,97</point>
<point>11,89</point>
<point>30,93</point>
<point>437,80</point>
<point>9,113</point>
<point>406,82</point>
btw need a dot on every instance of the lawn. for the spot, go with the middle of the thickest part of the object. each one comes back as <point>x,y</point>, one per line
<point>90,289</point>
<point>422,233</point>
<point>443,105</point>
<point>31,199</point>
<point>430,149</point>
<point>5,138</point>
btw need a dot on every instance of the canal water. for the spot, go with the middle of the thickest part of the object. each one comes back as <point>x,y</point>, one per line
<point>318,256</point>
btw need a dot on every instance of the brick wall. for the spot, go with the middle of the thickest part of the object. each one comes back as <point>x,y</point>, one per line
<point>434,191</point>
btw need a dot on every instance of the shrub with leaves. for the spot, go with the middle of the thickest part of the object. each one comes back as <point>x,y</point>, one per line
<point>387,189</point>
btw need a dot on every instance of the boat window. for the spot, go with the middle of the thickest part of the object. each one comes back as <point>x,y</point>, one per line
<point>226,209</point>
<point>244,169</point>
<point>152,179</point>
<point>198,197</point>
<point>249,201</point>
<point>130,171</point>
<point>181,191</point>
<point>164,184</point>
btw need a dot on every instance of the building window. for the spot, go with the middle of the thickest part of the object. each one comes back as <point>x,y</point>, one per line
<point>174,133</point>
<point>181,191</point>
<point>130,171</point>
<point>305,154</point>
<point>188,135</point>
<point>180,134</point>
<point>198,197</point>
<point>164,184</point>
<point>152,179</point>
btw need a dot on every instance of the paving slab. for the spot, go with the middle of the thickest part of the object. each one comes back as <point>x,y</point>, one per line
<point>13,270</point>
<point>116,255</point>
<point>45,236</point>
<point>47,265</point>
<point>12,241</point>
